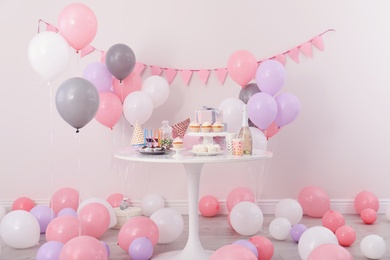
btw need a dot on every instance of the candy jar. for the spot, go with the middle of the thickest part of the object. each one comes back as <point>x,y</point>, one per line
<point>166,135</point>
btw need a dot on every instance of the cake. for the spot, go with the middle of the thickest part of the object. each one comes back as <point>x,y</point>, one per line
<point>194,126</point>
<point>206,127</point>
<point>217,127</point>
<point>177,143</point>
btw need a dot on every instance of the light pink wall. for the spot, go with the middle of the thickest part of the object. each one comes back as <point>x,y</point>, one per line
<point>339,142</point>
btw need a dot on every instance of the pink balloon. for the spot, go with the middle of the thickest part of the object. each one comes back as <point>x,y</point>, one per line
<point>115,199</point>
<point>131,83</point>
<point>78,25</point>
<point>83,247</point>
<point>368,216</point>
<point>110,109</point>
<point>23,203</point>
<point>238,195</point>
<point>137,227</point>
<point>262,110</point>
<point>346,235</point>
<point>271,130</point>
<point>233,252</point>
<point>209,206</point>
<point>65,198</point>
<point>95,219</point>
<point>314,201</point>
<point>264,247</point>
<point>63,229</point>
<point>288,108</point>
<point>333,220</point>
<point>330,251</point>
<point>98,74</point>
<point>366,199</point>
<point>270,76</point>
<point>242,66</point>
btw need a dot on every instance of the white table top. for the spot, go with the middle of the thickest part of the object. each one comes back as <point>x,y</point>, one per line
<point>132,154</point>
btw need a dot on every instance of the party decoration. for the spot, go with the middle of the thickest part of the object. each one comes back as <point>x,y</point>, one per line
<point>368,216</point>
<point>242,67</point>
<point>122,88</point>
<point>67,212</point>
<point>296,231</point>
<point>288,108</point>
<point>247,244</point>
<point>95,219</point>
<point>83,247</point>
<point>141,248</point>
<point>330,251</point>
<point>233,252</point>
<point>44,215</point>
<point>238,195</point>
<point>262,110</point>
<point>49,250</point>
<point>248,91</point>
<point>113,219</point>
<point>19,229</point>
<point>259,140</point>
<point>157,88</point>
<point>63,229</point>
<point>289,209</point>
<point>208,206</point>
<point>264,247</point>
<point>151,203</point>
<point>48,54</point>
<point>77,102</point>
<point>346,235</point>
<point>232,113</point>
<point>314,201</point>
<point>138,106</point>
<point>180,129</point>
<point>77,23</point>
<point>110,110</point>
<point>65,197</point>
<point>115,199</point>
<point>270,76</point>
<point>120,60</point>
<point>246,218</point>
<point>98,74</point>
<point>138,137</point>
<point>170,224</point>
<point>23,203</point>
<point>365,199</point>
<point>314,237</point>
<point>279,228</point>
<point>373,246</point>
<point>333,220</point>
<point>271,130</point>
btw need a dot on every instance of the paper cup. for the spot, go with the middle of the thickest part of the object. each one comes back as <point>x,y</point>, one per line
<point>237,147</point>
<point>229,142</point>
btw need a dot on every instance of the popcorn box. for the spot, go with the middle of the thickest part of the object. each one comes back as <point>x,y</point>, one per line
<point>210,114</point>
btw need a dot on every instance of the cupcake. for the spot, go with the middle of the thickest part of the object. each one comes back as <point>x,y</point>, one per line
<point>217,127</point>
<point>194,126</point>
<point>206,127</point>
<point>177,143</point>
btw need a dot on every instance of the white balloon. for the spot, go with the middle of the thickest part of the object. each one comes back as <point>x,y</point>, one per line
<point>157,88</point>
<point>3,212</point>
<point>314,237</point>
<point>373,246</point>
<point>232,113</point>
<point>49,54</point>
<point>289,209</point>
<point>151,203</point>
<point>279,228</point>
<point>259,140</point>
<point>113,219</point>
<point>138,107</point>
<point>20,229</point>
<point>246,218</point>
<point>170,224</point>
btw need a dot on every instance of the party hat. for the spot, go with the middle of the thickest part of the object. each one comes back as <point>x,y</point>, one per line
<point>138,137</point>
<point>180,129</point>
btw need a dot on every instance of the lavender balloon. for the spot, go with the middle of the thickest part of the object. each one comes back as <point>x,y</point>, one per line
<point>270,76</point>
<point>49,250</point>
<point>296,231</point>
<point>288,108</point>
<point>262,110</point>
<point>44,214</point>
<point>98,74</point>
<point>141,248</point>
<point>248,245</point>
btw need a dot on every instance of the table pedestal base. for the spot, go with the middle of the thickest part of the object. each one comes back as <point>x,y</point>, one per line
<point>184,255</point>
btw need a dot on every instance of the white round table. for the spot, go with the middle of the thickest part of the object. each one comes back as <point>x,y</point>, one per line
<point>193,167</point>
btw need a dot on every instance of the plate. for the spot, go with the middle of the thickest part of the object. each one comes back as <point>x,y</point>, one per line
<point>151,153</point>
<point>207,153</point>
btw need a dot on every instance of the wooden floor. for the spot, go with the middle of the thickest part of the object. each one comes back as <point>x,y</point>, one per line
<point>215,233</point>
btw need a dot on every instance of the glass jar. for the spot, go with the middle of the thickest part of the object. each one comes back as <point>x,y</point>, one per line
<point>166,135</point>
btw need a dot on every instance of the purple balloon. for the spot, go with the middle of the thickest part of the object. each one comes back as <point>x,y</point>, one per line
<point>107,248</point>
<point>248,245</point>
<point>49,250</point>
<point>98,74</point>
<point>67,212</point>
<point>262,110</point>
<point>270,76</point>
<point>141,249</point>
<point>44,214</point>
<point>296,231</point>
<point>288,108</point>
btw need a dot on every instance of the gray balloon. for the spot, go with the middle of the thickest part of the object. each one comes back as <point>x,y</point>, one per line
<point>248,91</point>
<point>77,101</point>
<point>120,60</point>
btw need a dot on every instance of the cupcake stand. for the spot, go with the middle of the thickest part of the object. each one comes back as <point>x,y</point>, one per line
<point>193,165</point>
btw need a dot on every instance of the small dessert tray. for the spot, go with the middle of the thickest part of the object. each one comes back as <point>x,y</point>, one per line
<point>178,153</point>
<point>152,152</point>
<point>207,153</point>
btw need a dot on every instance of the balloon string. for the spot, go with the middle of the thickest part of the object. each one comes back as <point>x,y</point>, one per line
<point>78,171</point>
<point>51,144</point>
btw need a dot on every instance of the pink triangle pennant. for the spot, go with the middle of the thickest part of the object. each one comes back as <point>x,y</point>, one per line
<point>294,54</point>
<point>305,48</point>
<point>51,28</point>
<point>139,68</point>
<point>317,41</point>
<point>281,58</point>
<point>204,75</point>
<point>86,50</point>
<point>156,70</point>
<point>221,74</point>
<point>171,74</point>
<point>186,75</point>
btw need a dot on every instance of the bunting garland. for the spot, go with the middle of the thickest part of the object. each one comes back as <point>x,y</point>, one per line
<point>204,74</point>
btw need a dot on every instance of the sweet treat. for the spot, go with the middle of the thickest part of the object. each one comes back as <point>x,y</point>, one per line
<point>194,127</point>
<point>177,143</point>
<point>199,148</point>
<point>214,148</point>
<point>217,127</point>
<point>206,148</point>
<point>206,127</point>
